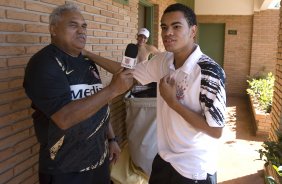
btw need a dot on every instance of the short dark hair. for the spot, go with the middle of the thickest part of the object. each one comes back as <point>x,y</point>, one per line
<point>189,14</point>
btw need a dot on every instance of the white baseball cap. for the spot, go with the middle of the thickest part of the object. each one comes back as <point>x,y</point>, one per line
<point>144,32</point>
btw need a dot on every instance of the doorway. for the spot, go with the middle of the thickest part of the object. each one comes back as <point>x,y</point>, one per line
<point>211,41</point>
<point>146,18</point>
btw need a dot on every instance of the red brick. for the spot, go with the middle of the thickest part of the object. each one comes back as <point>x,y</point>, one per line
<point>22,125</point>
<point>12,3</point>
<point>34,6</point>
<point>99,47</point>
<point>100,34</point>
<point>33,28</point>
<point>31,180</point>
<point>100,5</point>
<point>34,49</point>
<point>89,2</point>
<point>11,118</point>
<point>45,39</point>
<point>111,47</point>
<point>20,104</point>
<point>122,35</point>
<point>106,13</point>
<point>15,72</point>
<point>106,41</point>
<point>92,10</point>
<point>11,96</point>
<point>11,27</point>
<point>99,19</point>
<point>16,83</point>
<point>35,148</point>
<point>22,38</point>
<point>117,4</point>
<point>106,27</point>
<point>112,34</point>
<point>113,9</point>
<point>56,2</point>
<point>117,41</point>
<point>92,25</point>
<point>3,62</point>
<point>14,160</point>
<point>21,177</point>
<point>5,176</point>
<point>19,15</point>
<point>112,21</point>
<point>44,19</point>
<point>6,131</point>
<point>118,16</point>
<point>25,164</point>
<point>11,50</point>
<point>2,13</point>
<point>13,140</point>
<point>2,38</point>
<point>19,147</point>
<point>92,40</point>
<point>117,29</point>
<point>14,106</point>
<point>17,61</point>
<point>88,16</point>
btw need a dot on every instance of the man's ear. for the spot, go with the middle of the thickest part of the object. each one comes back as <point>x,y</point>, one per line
<point>194,31</point>
<point>52,30</point>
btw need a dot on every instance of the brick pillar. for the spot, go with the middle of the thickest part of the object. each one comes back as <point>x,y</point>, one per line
<point>276,114</point>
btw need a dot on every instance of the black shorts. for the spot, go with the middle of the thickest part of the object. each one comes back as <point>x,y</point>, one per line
<point>100,175</point>
<point>164,173</point>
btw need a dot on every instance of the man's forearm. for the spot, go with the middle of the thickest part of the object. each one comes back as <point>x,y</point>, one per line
<point>107,64</point>
<point>79,110</point>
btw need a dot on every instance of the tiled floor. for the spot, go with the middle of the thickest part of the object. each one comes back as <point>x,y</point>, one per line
<point>237,161</point>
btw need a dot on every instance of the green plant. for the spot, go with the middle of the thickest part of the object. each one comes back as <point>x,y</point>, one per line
<point>261,89</point>
<point>272,151</point>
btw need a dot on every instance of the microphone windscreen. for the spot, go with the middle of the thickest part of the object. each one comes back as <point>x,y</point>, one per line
<point>131,50</point>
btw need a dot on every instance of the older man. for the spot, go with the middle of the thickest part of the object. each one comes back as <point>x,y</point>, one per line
<point>71,113</point>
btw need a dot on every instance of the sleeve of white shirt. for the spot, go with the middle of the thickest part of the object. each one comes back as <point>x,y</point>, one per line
<point>150,70</point>
<point>212,95</point>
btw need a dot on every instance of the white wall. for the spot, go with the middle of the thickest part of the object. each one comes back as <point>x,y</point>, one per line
<point>224,7</point>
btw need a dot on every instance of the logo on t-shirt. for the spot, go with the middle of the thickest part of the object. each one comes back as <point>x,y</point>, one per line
<point>84,90</point>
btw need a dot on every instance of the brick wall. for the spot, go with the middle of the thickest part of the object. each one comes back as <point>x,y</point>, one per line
<point>111,26</point>
<point>237,50</point>
<point>264,42</point>
<point>24,31</point>
<point>276,113</point>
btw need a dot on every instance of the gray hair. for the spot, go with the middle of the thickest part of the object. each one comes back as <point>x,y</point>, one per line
<point>57,12</point>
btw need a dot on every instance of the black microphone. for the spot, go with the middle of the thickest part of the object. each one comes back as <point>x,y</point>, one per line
<point>129,59</point>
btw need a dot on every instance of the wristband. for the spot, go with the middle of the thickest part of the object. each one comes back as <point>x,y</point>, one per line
<point>115,139</point>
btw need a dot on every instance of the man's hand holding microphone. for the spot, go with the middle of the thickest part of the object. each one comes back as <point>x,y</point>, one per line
<point>122,79</point>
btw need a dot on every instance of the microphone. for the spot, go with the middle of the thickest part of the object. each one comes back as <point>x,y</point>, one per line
<point>129,59</point>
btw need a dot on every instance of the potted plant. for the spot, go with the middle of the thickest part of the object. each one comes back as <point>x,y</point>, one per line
<point>260,91</point>
<point>271,153</point>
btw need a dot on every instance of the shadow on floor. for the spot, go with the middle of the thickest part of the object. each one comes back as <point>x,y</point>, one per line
<point>249,179</point>
<point>238,155</point>
<point>241,120</point>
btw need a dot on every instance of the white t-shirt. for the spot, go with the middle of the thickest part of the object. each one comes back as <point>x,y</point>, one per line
<point>200,87</point>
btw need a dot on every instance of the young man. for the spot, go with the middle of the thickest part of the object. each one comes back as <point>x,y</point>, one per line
<point>191,103</point>
<point>71,117</point>
<point>144,50</point>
